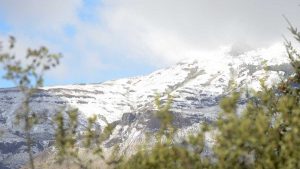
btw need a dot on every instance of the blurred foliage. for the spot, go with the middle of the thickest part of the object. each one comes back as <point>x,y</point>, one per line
<point>71,141</point>
<point>27,74</point>
<point>165,153</point>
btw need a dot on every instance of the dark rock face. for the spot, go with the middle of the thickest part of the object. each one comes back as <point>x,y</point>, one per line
<point>2,166</point>
<point>153,124</point>
<point>14,154</point>
<point>128,118</point>
<point>112,142</point>
<point>14,147</point>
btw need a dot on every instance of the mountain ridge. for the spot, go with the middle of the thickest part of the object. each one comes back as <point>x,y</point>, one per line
<point>197,86</point>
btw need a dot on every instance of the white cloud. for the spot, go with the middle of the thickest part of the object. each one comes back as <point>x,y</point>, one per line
<point>164,30</point>
<point>169,30</point>
<point>41,14</point>
<point>157,32</point>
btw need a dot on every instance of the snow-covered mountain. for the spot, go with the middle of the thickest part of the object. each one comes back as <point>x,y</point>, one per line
<point>197,85</point>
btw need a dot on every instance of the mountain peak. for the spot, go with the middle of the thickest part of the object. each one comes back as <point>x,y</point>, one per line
<point>196,84</point>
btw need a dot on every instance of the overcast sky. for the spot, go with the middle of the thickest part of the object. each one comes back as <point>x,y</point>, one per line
<point>109,39</point>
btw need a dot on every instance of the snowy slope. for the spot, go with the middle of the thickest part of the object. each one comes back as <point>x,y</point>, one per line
<point>197,85</point>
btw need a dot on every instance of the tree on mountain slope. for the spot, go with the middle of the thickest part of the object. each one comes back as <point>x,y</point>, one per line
<point>27,77</point>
